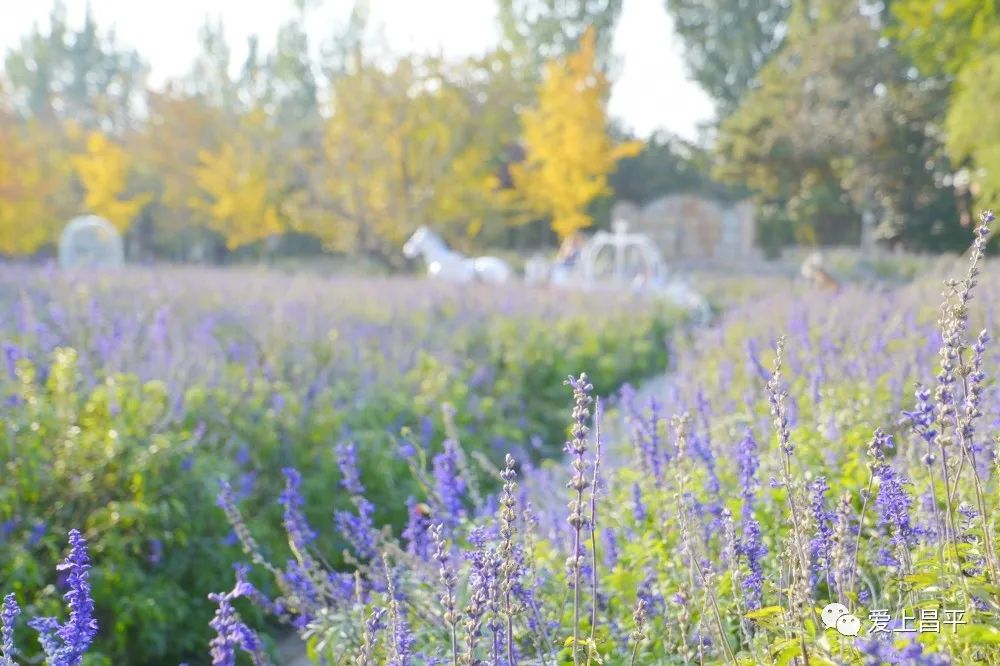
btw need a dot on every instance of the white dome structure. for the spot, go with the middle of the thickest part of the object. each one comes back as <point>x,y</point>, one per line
<point>90,241</point>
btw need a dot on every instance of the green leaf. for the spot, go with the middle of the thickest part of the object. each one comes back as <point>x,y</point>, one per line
<point>783,652</point>
<point>980,634</point>
<point>763,613</point>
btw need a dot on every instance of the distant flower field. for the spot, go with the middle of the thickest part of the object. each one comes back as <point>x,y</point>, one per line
<point>128,396</point>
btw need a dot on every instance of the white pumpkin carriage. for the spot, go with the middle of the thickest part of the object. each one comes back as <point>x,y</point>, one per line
<point>615,261</point>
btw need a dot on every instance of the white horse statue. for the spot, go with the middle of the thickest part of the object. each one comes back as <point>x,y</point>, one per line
<point>445,264</point>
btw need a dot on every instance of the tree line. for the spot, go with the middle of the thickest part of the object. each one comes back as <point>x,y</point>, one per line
<point>348,152</point>
<point>832,112</point>
<point>837,118</point>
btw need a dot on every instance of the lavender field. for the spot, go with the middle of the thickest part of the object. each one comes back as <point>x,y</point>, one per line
<point>401,472</point>
<point>128,397</point>
<point>810,449</point>
<point>499,333</point>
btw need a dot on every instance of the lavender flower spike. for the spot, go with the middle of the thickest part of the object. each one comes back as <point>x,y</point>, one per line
<point>299,532</point>
<point>232,634</point>
<point>347,460</point>
<point>65,644</point>
<point>8,615</point>
<point>577,448</point>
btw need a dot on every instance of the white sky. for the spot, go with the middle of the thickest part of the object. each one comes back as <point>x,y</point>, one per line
<point>651,91</point>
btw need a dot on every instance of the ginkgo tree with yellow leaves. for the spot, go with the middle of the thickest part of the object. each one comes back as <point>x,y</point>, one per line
<point>238,185</point>
<point>102,169</point>
<point>569,152</point>
<point>33,191</point>
<point>399,150</point>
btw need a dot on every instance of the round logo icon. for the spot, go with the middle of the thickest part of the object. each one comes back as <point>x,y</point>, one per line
<point>835,616</point>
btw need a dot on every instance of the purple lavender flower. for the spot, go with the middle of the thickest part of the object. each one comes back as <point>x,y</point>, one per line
<point>38,531</point>
<point>483,590</point>
<point>921,420</point>
<point>416,535</point>
<point>638,508</point>
<point>449,486</point>
<point>11,355</point>
<point>893,504</point>
<point>48,628</point>
<point>247,483</point>
<point>974,393</point>
<point>777,395</point>
<point>159,329</point>
<point>64,645</point>
<point>753,550</point>
<point>644,430</point>
<point>155,551</point>
<point>8,616</point>
<point>373,627</point>
<point>347,460</point>
<point>249,590</point>
<point>302,596</point>
<point>753,357</point>
<point>611,551</point>
<point>881,443</point>
<point>702,443</point>
<point>876,652</point>
<point>359,529</point>
<point>819,545</point>
<point>231,634</point>
<point>748,464</point>
<point>404,640</point>
<point>751,547</point>
<point>300,535</point>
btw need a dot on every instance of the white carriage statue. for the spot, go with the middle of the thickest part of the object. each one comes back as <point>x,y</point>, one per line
<point>611,261</point>
<point>619,260</point>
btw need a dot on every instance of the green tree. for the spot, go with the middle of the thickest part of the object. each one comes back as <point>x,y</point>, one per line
<point>973,132</point>
<point>727,42</point>
<point>955,42</point>
<point>81,75</point>
<point>342,48</point>
<point>666,165</point>
<point>209,77</point>
<point>537,31</point>
<point>292,76</point>
<point>838,126</point>
<point>942,36</point>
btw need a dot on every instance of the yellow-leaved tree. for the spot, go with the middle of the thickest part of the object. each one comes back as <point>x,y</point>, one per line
<point>33,186</point>
<point>103,170</point>
<point>568,151</point>
<point>400,150</point>
<point>178,128</point>
<point>238,185</point>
